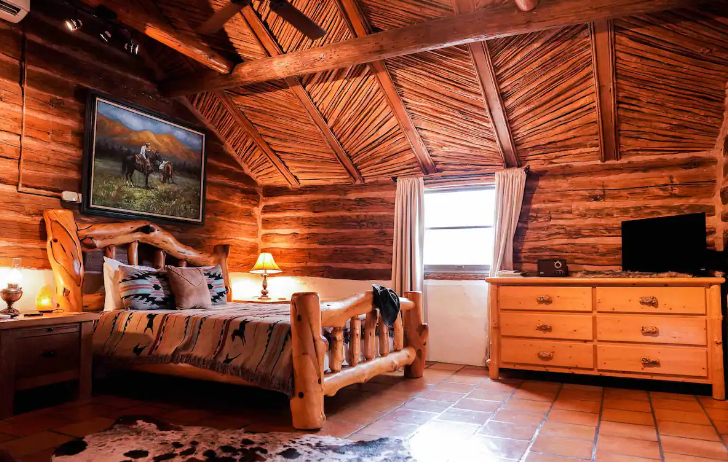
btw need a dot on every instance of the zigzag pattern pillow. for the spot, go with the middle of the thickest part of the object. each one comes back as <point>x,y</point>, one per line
<point>144,289</point>
<point>216,284</point>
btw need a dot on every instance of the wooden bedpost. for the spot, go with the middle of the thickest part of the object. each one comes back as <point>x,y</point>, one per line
<point>307,402</point>
<point>223,251</point>
<point>66,257</point>
<point>415,335</point>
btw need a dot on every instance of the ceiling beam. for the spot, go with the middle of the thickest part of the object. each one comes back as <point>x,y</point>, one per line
<point>271,46</point>
<point>134,16</point>
<point>491,93</point>
<point>253,132</point>
<point>360,27</point>
<point>498,21</point>
<point>605,84</point>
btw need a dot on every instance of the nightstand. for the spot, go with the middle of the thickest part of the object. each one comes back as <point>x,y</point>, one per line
<point>37,351</point>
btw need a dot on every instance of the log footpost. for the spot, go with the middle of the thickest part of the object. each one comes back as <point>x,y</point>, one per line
<point>307,402</point>
<point>415,335</point>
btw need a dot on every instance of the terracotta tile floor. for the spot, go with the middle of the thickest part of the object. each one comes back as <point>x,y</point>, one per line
<point>453,413</point>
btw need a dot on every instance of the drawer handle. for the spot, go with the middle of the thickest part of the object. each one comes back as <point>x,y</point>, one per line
<point>650,330</point>
<point>646,361</point>
<point>49,354</point>
<point>544,328</point>
<point>545,355</point>
<point>544,300</point>
<point>649,301</point>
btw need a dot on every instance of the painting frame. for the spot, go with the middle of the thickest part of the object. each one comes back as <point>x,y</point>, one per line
<point>89,164</point>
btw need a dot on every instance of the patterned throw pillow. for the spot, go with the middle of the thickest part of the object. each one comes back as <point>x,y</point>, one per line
<point>216,285</point>
<point>144,289</point>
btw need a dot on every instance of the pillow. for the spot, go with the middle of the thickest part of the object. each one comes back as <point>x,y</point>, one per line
<point>189,286</point>
<point>113,300</point>
<point>143,289</point>
<point>216,284</point>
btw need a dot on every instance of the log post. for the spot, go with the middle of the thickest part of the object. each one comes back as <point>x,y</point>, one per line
<point>398,334</point>
<point>159,258</point>
<point>132,252</point>
<point>336,358</point>
<point>222,252</point>
<point>110,251</point>
<point>415,335</point>
<point>383,337</point>
<point>66,258</point>
<point>307,402</point>
<point>370,333</point>
<point>354,341</point>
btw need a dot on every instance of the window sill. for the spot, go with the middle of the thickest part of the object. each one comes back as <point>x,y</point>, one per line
<point>454,276</point>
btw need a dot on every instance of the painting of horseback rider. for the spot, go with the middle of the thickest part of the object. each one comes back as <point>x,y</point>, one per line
<point>141,163</point>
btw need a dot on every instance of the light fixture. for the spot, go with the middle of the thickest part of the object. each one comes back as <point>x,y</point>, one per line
<point>74,24</point>
<point>265,266</point>
<point>13,291</point>
<point>105,35</point>
<point>131,46</point>
<point>44,302</point>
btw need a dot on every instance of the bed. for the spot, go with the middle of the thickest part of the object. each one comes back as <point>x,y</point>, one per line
<point>306,349</point>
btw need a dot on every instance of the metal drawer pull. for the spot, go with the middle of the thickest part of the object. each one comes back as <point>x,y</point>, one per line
<point>49,354</point>
<point>544,300</point>
<point>646,361</point>
<point>649,301</point>
<point>650,330</point>
<point>545,355</point>
<point>543,328</point>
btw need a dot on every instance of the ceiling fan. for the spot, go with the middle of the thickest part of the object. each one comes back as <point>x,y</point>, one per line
<point>282,8</point>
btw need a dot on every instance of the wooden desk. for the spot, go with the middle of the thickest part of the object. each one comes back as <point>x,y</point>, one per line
<point>37,351</point>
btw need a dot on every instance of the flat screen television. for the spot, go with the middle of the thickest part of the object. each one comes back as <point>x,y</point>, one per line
<point>655,245</point>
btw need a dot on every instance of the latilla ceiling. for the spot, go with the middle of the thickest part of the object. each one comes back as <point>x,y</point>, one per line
<point>435,113</point>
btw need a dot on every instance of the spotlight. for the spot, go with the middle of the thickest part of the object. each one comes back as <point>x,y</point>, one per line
<point>73,24</point>
<point>131,46</point>
<point>105,35</point>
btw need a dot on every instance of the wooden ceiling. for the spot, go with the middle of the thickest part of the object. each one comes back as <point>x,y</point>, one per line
<point>636,85</point>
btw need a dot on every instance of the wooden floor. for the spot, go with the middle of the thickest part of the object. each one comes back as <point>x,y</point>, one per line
<point>453,414</point>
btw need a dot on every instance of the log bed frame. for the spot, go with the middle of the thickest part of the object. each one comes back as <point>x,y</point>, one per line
<point>67,240</point>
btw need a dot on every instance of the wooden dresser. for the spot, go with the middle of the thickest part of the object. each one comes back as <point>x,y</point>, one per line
<point>648,328</point>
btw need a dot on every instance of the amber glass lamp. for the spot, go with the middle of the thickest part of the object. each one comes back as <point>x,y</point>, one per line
<point>44,301</point>
<point>265,266</point>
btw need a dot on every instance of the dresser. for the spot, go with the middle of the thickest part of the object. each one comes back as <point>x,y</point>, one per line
<point>646,328</point>
<point>37,351</point>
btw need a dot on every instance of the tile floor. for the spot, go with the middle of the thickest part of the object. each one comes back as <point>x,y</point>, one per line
<point>453,413</point>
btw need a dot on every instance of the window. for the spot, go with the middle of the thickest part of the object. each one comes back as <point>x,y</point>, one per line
<point>459,230</point>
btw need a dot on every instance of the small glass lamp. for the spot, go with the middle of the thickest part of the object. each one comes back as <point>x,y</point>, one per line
<point>13,291</point>
<point>265,266</point>
<point>44,301</point>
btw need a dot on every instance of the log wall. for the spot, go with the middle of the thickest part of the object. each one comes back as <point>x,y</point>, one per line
<point>338,232</point>
<point>45,75</point>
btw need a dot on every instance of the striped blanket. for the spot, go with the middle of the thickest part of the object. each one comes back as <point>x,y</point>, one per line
<point>248,340</point>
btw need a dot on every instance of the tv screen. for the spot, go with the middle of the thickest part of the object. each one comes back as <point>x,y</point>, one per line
<point>656,245</point>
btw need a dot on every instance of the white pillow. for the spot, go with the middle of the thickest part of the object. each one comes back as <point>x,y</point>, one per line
<point>111,283</point>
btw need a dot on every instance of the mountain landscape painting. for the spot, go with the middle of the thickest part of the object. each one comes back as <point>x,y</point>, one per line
<point>142,164</point>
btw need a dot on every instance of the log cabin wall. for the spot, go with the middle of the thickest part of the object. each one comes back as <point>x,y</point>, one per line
<point>337,232</point>
<point>45,74</point>
<point>721,148</point>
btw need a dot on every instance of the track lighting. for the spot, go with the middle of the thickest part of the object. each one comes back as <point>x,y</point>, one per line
<point>74,24</point>
<point>105,35</point>
<point>131,46</point>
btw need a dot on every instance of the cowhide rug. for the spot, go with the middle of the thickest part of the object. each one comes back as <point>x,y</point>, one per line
<point>133,439</point>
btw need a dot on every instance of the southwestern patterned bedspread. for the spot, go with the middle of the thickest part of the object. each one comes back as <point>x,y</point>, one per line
<point>249,340</point>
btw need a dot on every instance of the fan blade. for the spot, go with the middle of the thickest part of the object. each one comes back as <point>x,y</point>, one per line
<point>294,17</point>
<point>221,16</point>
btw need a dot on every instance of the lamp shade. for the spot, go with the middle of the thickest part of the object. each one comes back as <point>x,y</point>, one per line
<point>265,265</point>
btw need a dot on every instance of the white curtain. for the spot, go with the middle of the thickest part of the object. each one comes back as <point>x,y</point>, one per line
<point>509,187</point>
<point>408,269</point>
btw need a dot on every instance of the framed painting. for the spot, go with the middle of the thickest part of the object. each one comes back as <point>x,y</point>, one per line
<point>142,164</point>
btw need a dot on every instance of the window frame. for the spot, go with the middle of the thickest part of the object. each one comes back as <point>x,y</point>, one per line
<point>457,269</point>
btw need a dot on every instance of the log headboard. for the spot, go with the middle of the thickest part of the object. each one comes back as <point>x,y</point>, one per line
<point>67,240</point>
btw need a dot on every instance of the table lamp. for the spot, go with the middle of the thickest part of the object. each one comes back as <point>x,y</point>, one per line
<point>13,291</point>
<point>265,266</point>
<point>44,302</point>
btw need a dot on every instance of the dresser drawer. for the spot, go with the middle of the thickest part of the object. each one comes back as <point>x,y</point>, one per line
<point>545,298</point>
<point>547,325</point>
<point>47,354</point>
<point>546,353</point>
<point>681,330</point>
<point>684,300</point>
<point>48,330</point>
<point>649,359</point>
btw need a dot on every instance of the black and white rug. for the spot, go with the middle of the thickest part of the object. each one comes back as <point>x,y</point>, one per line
<point>148,439</point>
